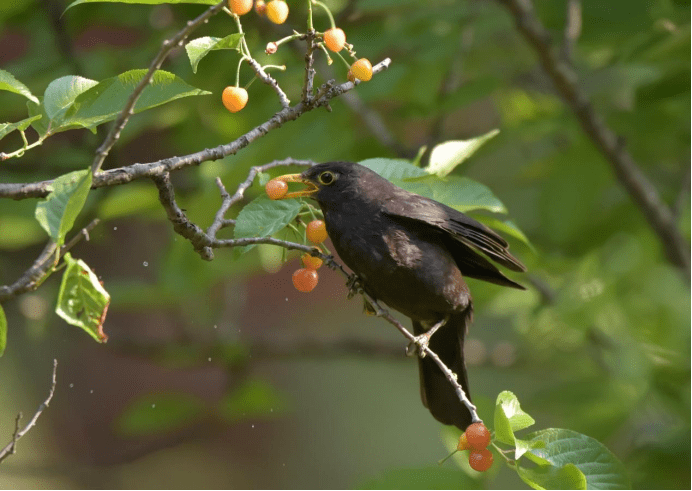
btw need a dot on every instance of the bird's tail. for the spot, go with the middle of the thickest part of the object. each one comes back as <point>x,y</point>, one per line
<point>437,393</point>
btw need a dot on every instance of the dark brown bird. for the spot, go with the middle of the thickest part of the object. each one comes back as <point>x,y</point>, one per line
<point>411,253</point>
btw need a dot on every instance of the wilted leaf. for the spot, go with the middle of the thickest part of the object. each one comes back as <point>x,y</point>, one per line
<point>82,300</point>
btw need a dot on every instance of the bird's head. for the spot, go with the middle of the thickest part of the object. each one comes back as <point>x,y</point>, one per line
<point>331,183</point>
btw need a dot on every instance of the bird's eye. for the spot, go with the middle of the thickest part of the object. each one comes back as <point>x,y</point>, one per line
<point>326,178</point>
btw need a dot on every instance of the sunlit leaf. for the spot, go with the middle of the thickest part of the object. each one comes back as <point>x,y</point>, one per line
<point>509,417</point>
<point>11,84</point>
<point>551,477</point>
<point>602,469</point>
<point>82,300</point>
<point>446,156</point>
<point>200,47</point>
<point>105,100</point>
<point>59,210</point>
<point>61,93</point>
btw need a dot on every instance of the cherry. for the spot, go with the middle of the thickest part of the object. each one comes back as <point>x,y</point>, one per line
<point>316,231</point>
<point>481,460</point>
<point>305,280</point>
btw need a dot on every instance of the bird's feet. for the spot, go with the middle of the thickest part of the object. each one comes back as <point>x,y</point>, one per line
<point>354,285</point>
<point>418,345</point>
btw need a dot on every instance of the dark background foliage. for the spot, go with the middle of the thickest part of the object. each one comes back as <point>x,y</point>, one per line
<point>220,374</point>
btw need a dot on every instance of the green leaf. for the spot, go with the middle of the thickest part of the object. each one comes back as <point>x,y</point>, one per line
<point>42,122</point>
<point>61,93</point>
<point>393,169</point>
<point>461,193</point>
<point>3,331</point>
<point>82,300</point>
<point>153,414</point>
<point>524,446</point>
<point>505,226</point>
<point>11,84</point>
<point>252,399</point>
<point>509,417</point>
<point>263,217</point>
<point>551,477</point>
<point>142,2</point>
<point>200,47</point>
<point>104,101</point>
<point>602,469</point>
<point>58,211</point>
<point>446,156</point>
<point>7,128</point>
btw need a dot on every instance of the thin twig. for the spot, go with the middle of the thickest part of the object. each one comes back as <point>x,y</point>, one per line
<point>572,29</point>
<point>123,175</point>
<point>641,190</point>
<point>37,273</point>
<point>127,111</point>
<point>10,448</point>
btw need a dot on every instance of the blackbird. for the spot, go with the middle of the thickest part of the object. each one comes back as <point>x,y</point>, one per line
<point>411,253</point>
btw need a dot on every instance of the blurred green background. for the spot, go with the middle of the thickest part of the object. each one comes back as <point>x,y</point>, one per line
<point>221,374</point>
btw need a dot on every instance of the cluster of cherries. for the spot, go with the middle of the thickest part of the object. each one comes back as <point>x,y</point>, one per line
<point>476,438</point>
<point>235,98</point>
<point>305,279</point>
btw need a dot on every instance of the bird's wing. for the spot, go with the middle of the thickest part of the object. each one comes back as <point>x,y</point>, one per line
<point>461,227</point>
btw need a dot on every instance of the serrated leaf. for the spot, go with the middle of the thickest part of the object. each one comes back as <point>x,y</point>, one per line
<point>263,217</point>
<point>509,417</point>
<point>598,464</point>
<point>551,477</point>
<point>11,84</point>
<point>3,331</point>
<point>104,101</point>
<point>142,2</point>
<point>393,169</point>
<point>448,155</point>
<point>7,128</point>
<point>461,193</point>
<point>200,47</point>
<point>82,300</point>
<point>61,93</point>
<point>59,210</point>
<point>153,414</point>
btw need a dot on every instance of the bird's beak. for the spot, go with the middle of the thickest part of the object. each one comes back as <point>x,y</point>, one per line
<point>309,191</point>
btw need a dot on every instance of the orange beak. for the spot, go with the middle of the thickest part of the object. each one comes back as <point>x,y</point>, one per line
<point>309,191</point>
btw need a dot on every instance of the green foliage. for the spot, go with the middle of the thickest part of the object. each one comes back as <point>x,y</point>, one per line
<point>445,157</point>
<point>152,414</point>
<point>11,84</point>
<point>82,300</point>
<point>201,47</point>
<point>7,128</point>
<point>263,217</point>
<point>58,212</point>
<point>143,2</point>
<point>253,399</point>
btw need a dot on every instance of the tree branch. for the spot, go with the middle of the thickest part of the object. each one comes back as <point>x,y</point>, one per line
<point>127,111</point>
<point>641,190</point>
<point>11,447</point>
<point>37,273</point>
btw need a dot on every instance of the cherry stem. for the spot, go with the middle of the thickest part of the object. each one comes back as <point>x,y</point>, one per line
<point>326,9</point>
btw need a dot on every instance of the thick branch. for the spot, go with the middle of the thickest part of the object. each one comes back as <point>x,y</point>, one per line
<point>10,448</point>
<point>642,191</point>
